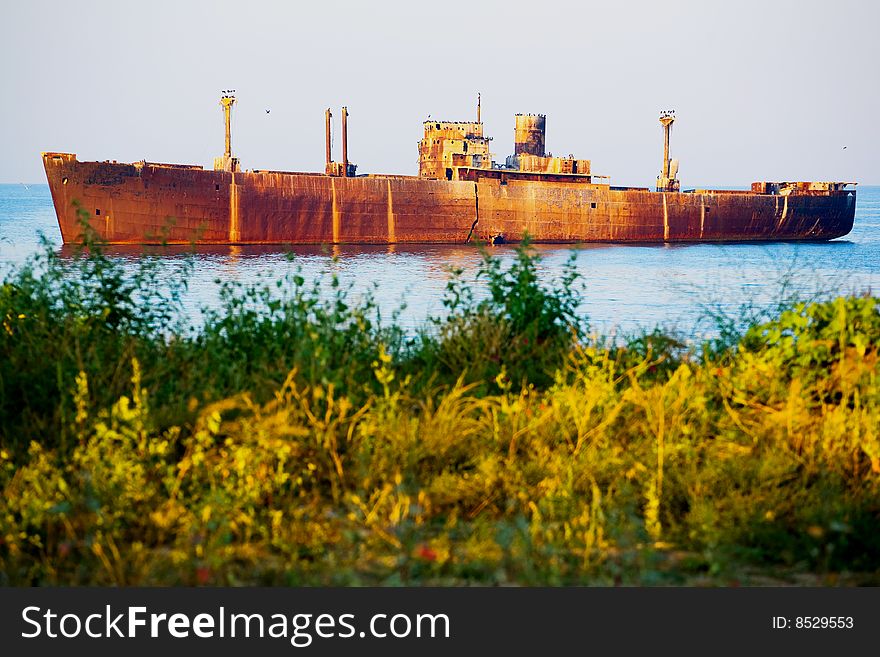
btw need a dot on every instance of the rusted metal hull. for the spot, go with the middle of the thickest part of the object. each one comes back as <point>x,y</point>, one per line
<point>151,203</point>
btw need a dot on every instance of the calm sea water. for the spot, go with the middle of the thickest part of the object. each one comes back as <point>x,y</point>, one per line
<point>625,288</point>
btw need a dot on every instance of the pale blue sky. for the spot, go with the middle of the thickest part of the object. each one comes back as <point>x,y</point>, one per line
<point>762,90</point>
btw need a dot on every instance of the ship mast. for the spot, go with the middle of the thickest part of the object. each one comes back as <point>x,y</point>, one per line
<point>227,162</point>
<point>227,100</point>
<point>344,168</point>
<point>667,181</point>
<point>345,142</point>
<point>666,121</point>
<point>329,154</point>
<point>478,107</point>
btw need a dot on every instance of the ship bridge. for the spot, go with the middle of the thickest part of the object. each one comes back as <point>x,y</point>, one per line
<point>447,145</point>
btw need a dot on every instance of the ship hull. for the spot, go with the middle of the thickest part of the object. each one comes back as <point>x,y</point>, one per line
<point>151,203</point>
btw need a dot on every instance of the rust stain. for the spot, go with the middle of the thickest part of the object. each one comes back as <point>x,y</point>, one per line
<point>392,238</point>
<point>665,220</point>
<point>234,231</point>
<point>702,217</point>
<point>335,211</point>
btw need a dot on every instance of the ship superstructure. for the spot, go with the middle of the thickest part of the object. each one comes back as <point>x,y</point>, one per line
<point>448,146</point>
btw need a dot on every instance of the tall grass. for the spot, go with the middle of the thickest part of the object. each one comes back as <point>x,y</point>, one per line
<point>295,438</point>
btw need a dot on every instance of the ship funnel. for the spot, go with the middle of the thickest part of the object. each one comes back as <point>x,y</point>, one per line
<point>529,134</point>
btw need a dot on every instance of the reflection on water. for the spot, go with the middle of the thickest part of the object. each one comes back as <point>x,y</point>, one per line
<point>624,286</point>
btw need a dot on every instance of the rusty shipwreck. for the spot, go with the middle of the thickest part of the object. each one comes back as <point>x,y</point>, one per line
<point>459,195</point>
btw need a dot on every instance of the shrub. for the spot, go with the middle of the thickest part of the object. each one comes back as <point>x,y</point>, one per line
<point>293,438</point>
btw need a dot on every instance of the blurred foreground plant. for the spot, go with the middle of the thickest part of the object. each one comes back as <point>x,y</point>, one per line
<point>295,439</point>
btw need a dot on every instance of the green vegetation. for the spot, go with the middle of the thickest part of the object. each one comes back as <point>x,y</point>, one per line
<point>294,438</point>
